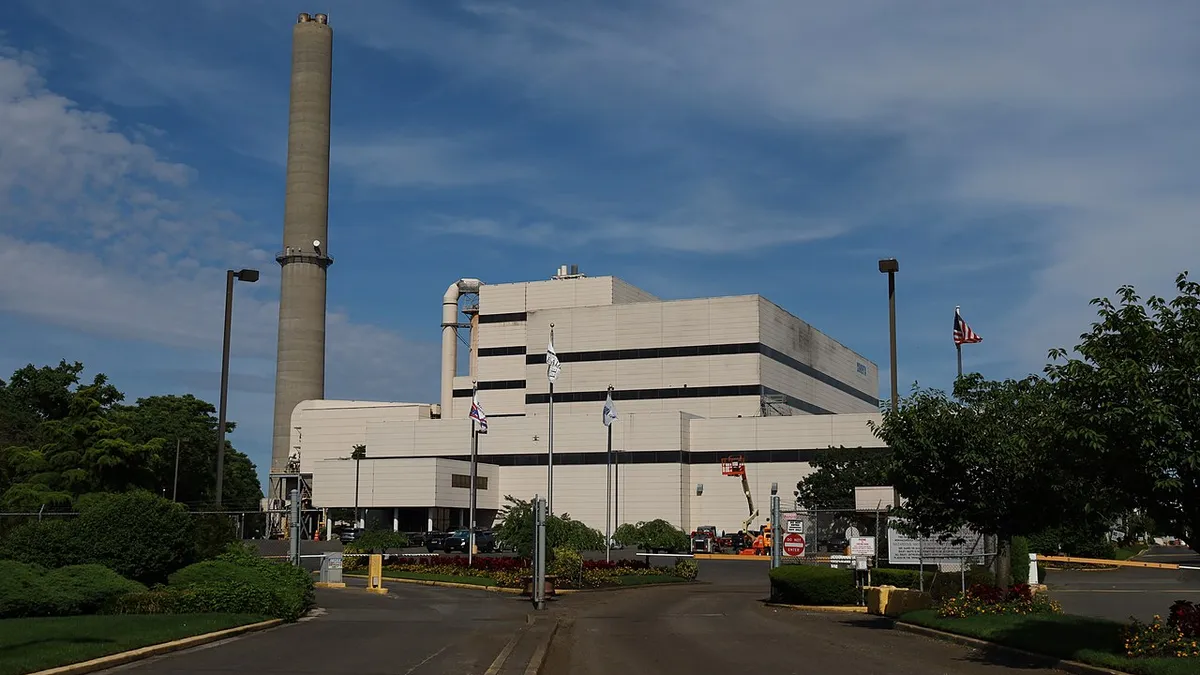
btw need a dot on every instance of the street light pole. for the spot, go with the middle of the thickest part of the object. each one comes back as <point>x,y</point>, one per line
<point>248,276</point>
<point>890,266</point>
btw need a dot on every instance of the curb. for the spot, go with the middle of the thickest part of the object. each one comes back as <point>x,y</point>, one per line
<point>848,609</point>
<point>539,654</point>
<point>113,660</point>
<point>1065,665</point>
<point>517,591</point>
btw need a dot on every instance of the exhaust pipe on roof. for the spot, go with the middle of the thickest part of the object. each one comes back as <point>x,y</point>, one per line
<point>450,338</point>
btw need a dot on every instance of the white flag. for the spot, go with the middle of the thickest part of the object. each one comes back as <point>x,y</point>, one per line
<point>552,363</point>
<point>477,413</point>
<point>610,411</point>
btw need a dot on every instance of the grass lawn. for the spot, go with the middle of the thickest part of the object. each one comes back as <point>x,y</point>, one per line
<point>28,645</point>
<point>448,578</point>
<point>1077,638</point>
<point>1127,553</point>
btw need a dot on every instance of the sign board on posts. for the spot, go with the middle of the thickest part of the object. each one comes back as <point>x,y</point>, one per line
<point>874,498</point>
<point>906,550</point>
<point>793,545</point>
<point>862,546</point>
<point>792,522</point>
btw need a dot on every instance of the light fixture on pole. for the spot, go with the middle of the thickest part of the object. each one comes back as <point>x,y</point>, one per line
<point>890,266</point>
<point>248,276</point>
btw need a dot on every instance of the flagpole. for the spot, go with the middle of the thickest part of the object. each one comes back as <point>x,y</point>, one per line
<point>550,447</point>
<point>474,474</point>
<point>608,489</point>
<point>958,348</point>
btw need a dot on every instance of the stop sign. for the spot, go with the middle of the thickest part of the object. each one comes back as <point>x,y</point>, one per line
<point>793,545</point>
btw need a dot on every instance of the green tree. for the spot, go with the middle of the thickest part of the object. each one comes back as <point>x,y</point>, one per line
<point>992,458</point>
<point>837,471</point>
<point>1132,394</point>
<point>190,424</point>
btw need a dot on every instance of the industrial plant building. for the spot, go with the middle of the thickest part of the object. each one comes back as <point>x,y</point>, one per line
<point>693,381</point>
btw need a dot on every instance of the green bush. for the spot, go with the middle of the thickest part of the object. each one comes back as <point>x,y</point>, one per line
<point>138,535</point>
<point>377,541</point>
<point>626,535</point>
<point>29,590</point>
<point>86,589</point>
<point>213,533</point>
<point>686,568</point>
<point>566,563</point>
<point>237,581</point>
<point>1080,542</point>
<point>810,585</point>
<point>515,530</point>
<point>1020,560</point>
<point>658,535</point>
<point>884,576</point>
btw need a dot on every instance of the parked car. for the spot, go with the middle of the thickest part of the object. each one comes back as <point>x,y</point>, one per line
<point>434,541</point>
<point>347,534</point>
<point>459,540</point>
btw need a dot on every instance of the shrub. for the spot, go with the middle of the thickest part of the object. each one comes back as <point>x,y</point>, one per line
<point>983,599</point>
<point>213,533</point>
<point>658,535</point>
<point>808,585</point>
<point>883,576</point>
<point>377,541</point>
<point>138,535</point>
<point>237,581</point>
<point>1019,552</point>
<point>1082,542</point>
<point>626,535</point>
<point>29,590</point>
<point>1185,617</point>
<point>86,589</point>
<point>1158,638</point>
<point>686,568</point>
<point>515,530</point>
<point>567,564</point>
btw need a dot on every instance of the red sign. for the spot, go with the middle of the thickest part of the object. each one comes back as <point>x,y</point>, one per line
<point>793,545</point>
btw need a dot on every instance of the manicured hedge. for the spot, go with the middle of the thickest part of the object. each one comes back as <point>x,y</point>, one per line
<point>811,585</point>
<point>884,576</point>
<point>138,535</point>
<point>30,590</point>
<point>237,582</point>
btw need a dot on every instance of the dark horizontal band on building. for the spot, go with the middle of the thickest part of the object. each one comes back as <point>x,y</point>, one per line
<point>502,318</point>
<point>646,394</point>
<point>682,352</point>
<point>697,457</point>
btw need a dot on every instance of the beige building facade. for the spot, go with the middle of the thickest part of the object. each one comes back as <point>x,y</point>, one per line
<point>693,381</point>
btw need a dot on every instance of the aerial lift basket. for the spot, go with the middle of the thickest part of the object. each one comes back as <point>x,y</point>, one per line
<point>733,466</point>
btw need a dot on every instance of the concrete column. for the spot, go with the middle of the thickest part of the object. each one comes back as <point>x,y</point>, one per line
<point>429,517</point>
<point>300,362</point>
<point>395,520</point>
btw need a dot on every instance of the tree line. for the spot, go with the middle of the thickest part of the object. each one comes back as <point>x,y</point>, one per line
<point>63,437</point>
<point>1105,437</point>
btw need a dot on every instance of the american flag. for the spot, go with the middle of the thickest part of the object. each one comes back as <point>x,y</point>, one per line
<point>477,413</point>
<point>963,335</point>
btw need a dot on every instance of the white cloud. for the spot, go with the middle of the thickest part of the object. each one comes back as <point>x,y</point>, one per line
<point>1070,124</point>
<point>97,236</point>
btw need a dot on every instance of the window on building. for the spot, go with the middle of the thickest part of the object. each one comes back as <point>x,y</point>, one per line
<point>460,481</point>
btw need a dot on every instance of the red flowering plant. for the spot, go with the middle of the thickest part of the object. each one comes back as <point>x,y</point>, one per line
<point>982,599</point>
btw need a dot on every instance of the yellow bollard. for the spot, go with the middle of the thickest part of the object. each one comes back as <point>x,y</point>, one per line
<point>375,574</point>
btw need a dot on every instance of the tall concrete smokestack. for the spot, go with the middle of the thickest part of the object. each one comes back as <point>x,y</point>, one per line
<point>300,365</point>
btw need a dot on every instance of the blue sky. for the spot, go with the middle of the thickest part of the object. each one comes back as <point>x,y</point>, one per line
<point>1018,158</point>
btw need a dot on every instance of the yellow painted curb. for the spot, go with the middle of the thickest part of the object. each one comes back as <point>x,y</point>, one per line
<point>730,556</point>
<point>113,660</point>
<point>851,609</point>
<point>329,584</point>
<point>1075,667</point>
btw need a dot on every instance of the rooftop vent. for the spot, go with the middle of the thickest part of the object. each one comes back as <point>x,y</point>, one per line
<point>568,272</point>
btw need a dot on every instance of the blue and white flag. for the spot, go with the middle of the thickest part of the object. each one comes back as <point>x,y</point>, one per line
<point>610,411</point>
<point>477,413</point>
<point>552,363</point>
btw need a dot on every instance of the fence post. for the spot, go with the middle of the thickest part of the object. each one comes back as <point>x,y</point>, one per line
<point>539,553</point>
<point>294,543</point>
<point>1033,570</point>
<point>776,533</point>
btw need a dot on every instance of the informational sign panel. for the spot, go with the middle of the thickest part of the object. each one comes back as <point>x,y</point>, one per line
<point>793,545</point>
<point>862,546</point>
<point>793,522</point>
<point>906,550</point>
